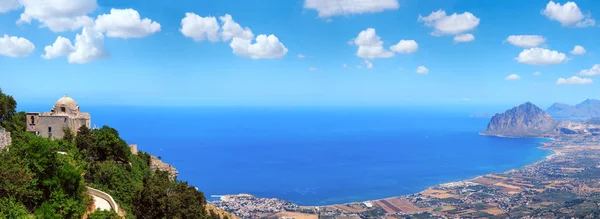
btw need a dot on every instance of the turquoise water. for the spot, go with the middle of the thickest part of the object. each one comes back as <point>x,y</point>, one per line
<point>317,156</point>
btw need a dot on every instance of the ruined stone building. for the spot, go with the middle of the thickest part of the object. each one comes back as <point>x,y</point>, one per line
<point>4,138</point>
<point>64,114</point>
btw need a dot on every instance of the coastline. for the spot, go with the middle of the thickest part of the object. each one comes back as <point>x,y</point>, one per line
<point>542,147</point>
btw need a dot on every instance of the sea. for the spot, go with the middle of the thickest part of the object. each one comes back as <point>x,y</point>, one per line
<point>318,155</point>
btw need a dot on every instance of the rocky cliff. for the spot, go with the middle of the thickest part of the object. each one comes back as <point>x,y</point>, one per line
<point>526,120</point>
<point>587,109</point>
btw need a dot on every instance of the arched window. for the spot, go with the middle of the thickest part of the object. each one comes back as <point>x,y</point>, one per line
<point>32,120</point>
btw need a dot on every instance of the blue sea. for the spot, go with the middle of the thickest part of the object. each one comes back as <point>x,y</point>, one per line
<point>319,155</point>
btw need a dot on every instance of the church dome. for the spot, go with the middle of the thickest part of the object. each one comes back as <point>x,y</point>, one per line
<point>66,102</point>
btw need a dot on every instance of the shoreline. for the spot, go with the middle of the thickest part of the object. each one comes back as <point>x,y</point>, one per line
<point>542,147</point>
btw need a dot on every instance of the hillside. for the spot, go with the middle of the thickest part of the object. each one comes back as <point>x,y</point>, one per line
<point>525,120</point>
<point>47,178</point>
<point>587,109</point>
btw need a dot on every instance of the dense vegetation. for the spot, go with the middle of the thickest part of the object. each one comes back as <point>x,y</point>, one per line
<point>44,178</point>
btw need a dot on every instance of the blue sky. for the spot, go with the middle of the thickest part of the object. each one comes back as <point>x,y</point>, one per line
<point>313,57</point>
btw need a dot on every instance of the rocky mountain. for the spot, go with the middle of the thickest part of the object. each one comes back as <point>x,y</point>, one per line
<point>526,120</point>
<point>587,109</point>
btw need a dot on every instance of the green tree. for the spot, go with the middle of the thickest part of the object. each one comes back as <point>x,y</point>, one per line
<point>109,146</point>
<point>68,135</point>
<point>11,208</point>
<point>8,106</point>
<point>165,198</point>
<point>17,181</point>
<point>13,121</point>
<point>104,215</point>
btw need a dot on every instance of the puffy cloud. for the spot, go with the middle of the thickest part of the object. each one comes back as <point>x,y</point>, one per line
<point>578,50</point>
<point>368,64</point>
<point>61,47</point>
<point>595,70</point>
<point>328,8</point>
<point>450,25</point>
<point>512,77</point>
<point>266,47</point>
<point>568,14</point>
<point>15,46</point>
<point>9,5</point>
<point>232,29</point>
<point>540,56</point>
<point>58,15</point>
<point>422,70</point>
<point>405,46</point>
<point>537,73</point>
<point>207,28</point>
<point>370,45</point>
<point>526,41</point>
<point>574,81</point>
<point>125,23</point>
<point>200,28</point>
<point>89,46</point>
<point>463,38</point>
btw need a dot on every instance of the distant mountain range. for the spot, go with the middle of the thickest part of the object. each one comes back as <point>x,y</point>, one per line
<point>585,110</point>
<point>525,120</point>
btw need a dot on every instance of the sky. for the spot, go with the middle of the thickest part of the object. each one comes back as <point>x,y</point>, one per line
<point>300,52</point>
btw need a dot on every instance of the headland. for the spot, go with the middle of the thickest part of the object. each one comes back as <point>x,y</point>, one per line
<point>564,184</point>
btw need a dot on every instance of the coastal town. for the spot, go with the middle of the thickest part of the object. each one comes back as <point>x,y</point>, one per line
<point>564,185</point>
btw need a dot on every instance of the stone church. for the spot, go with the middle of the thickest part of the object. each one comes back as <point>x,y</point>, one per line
<point>64,114</point>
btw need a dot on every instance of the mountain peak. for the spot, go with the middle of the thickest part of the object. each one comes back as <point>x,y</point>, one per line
<point>525,120</point>
<point>589,108</point>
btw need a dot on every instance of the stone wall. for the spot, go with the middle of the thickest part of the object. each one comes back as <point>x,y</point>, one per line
<point>103,195</point>
<point>52,126</point>
<point>5,139</point>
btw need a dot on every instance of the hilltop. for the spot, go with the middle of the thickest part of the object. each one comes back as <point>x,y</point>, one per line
<point>525,120</point>
<point>587,109</point>
<point>45,177</point>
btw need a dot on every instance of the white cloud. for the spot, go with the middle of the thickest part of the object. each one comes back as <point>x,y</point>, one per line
<point>61,47</point>
<point>574,81</point>
<point>15,46</point>
<point>328,8</point>
<point>231,29</point>
<point>370,45</point>
<point>405,46</point>
<point>595,70</point>
<point>312,69</point>
<point>568,15</point>
<point>300,56</point>
<point>512,77</point>
<point>450,25</point>
<point>345,66</point>
<point>207,28</point>
<point>368,64</point>
<point>537,73</point>
<point>126,23</point>
<point>540,56</point>
<point>58,15</point>
<point>578,50</point>
<point>200,28</point>
<point>89,46</point>
<point>422,70</point>
<point>463,38</point>
<point>266,47</point>
<point>526,41</point>
<point>9,5</point>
